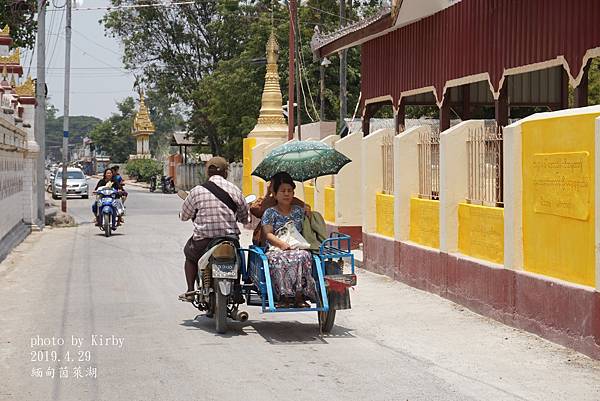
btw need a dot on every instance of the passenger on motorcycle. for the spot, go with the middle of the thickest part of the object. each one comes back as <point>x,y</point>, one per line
<point>108,180</point>
<point>207,207</point>
<point>123,197</point>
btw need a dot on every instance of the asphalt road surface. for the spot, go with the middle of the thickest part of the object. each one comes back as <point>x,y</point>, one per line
<point>125,336</point>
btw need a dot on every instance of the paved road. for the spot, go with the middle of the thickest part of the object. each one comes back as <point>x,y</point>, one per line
<point>397,343</point>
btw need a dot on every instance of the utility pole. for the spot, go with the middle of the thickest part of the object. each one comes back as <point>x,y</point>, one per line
<point>343,68</point>
<point>40,113</point>
<point>298,72</point>
<point>322,90</point>
<point>65,155</point>
<point>292,73</point>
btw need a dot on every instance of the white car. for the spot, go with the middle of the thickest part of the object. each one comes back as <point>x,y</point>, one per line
<point>76,183</point>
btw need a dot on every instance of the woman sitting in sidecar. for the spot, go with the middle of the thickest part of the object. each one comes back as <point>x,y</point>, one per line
<point>290,269</point>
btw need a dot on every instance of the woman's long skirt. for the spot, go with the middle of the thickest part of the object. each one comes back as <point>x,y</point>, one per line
<point>291,272</point>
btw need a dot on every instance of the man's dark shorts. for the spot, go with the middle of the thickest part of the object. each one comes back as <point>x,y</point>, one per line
<point>194,249</point>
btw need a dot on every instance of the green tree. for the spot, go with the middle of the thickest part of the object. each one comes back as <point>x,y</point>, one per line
<point>200,56</point>
<point>114,135</point>
<point>19,15</point>
<point>79,127</point>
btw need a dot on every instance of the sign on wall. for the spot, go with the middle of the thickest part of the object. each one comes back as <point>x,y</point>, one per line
<point>562,184</point>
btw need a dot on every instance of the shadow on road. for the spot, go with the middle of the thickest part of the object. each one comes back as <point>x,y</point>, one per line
<point>275,333</point>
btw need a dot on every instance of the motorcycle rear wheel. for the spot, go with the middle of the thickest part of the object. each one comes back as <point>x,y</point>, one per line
<point>220,310</point>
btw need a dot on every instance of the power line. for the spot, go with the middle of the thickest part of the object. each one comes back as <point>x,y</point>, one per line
<point>96,43</point>
<point>133,6</point>
<point>58,35</point>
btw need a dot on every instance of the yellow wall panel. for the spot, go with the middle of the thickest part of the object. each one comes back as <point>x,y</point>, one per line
<point>425,222</point>
<point>246,185</point>
<point>248,144</point>
<point>330,204</point>
<point>309,195</point>
<point>384,210</point>
<point>481,232</point>
<point>558,197</point>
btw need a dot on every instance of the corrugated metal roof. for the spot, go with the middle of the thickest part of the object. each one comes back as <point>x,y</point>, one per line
<point>475,37</point>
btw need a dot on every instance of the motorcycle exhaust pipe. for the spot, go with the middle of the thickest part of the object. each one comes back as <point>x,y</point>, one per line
<point>240,316</point>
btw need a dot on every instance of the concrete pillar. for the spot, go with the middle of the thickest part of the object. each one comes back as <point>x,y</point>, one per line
<point>348,203</point>
<point>513,197</point>
<point>323,182</point>
<point>453,180</point>
<point>371,176</point>
<point>406,178</point>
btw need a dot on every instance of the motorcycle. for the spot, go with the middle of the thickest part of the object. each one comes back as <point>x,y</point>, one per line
<point>107,209</point>
<point>218,291</point>
<point>166,184</point>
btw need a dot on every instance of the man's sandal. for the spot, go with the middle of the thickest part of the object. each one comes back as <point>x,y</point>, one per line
<point>186,297</point>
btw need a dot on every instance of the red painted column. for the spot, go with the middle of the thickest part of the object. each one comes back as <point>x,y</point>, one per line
<point>501,105</point>
<point>445,115</point>
<point>581,92</point>
<point>401,117</point>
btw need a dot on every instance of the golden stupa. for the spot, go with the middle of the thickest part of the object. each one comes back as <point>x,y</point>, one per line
<point>142,124</point>
<point>271,122</point>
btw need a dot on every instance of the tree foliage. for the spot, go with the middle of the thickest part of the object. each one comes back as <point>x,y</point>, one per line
<point>113,135</point>
<point>199,57</point>
<point>19,15</point>
<point>143,169</point>
<point>79,127</point>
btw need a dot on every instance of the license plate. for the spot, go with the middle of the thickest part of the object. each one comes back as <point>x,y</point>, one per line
<point>224,270</point>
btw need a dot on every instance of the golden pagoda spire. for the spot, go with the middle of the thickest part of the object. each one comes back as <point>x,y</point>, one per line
<point>142,122</point>
<point>5,31</point>
<point>271,121</point>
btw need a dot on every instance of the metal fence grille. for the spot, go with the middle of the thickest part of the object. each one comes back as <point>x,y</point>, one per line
<point>387,152</point>
<point>485,163</point>
<point>429,164</point>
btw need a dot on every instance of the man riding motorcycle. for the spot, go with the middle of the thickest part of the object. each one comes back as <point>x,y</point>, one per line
<point>215,208</point>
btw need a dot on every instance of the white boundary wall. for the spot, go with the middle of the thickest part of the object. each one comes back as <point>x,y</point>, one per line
<point>453,180</point>
<point>406,178</point>
<point>372,176</point>
<point>348,199</point>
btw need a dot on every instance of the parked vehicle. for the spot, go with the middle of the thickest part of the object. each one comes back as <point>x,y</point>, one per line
<point>77,184</point>
<point>166,184</point>
<point>106,209</point>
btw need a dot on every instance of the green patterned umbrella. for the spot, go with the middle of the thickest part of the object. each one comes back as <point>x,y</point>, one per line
<point>303,160</point>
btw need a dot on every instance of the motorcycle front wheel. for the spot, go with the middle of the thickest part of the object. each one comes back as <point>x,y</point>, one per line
<point>106,224</point>
<point>220,310</point>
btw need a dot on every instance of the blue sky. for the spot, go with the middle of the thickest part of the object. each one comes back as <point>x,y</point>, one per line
<point>98,80</point>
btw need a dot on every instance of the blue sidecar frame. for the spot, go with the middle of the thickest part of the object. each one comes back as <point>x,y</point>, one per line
<point>257,277</point>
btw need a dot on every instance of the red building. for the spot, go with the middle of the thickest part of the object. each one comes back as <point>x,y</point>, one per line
<point>467,54</point>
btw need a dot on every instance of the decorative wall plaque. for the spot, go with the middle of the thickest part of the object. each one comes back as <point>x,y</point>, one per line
<point>561,184</point>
